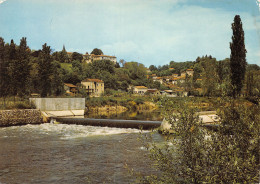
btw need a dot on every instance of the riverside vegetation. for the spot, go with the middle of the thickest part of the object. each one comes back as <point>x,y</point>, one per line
<point>196,155</point>
<point>24,71</point>
<point>193,154</point>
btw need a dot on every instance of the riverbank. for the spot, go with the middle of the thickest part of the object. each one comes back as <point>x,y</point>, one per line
<point>20,117</point>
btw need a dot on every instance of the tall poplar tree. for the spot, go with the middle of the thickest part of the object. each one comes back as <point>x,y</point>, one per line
<point>237,57</point>
<point>3,71</point>
<point>13,69</point>
<point>45,70</point>
<point>64,56</point>
<point>23,66</point>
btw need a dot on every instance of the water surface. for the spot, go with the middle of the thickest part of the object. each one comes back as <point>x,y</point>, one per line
<point>50,153</point>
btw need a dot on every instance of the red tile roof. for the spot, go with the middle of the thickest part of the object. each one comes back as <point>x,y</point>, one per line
<point>140,87</point>
<point>70,85</point>
<point>92,80</point>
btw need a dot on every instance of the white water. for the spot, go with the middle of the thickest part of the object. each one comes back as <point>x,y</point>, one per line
<point>71,131</point>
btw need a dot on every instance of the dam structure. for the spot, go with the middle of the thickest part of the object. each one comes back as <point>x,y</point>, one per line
<point>60,107</point>
<point>71,111</point>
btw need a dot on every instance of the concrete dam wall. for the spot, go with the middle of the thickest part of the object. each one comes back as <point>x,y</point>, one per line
<point>56,107</point>
<point>59,104</point>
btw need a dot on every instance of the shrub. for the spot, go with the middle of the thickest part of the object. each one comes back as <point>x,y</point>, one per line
<point>139,101</point>
<point>197,155</point>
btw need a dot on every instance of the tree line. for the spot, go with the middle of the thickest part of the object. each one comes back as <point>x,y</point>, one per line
<point>24,71</point>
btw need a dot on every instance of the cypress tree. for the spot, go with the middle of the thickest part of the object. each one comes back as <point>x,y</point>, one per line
<point>64,56</point>
<point>237,57</point>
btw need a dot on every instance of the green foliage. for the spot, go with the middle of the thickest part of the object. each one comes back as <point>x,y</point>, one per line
<point>139,101</point>
<point>45,70</point>
<point>97,51</point>
<point>17,104</point>
<point>196,155</point>
<point>76,57</point>
<point>4,82</point>
<point>62,56</point>
<point>237,57</point>
<point>181,66</point>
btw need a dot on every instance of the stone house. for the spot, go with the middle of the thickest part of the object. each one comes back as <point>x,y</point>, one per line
<point>70,88</point>
<point>175,75</point>
<point>88,58</point>
<point>189,72</point>
<point>170,93</point>
<point>139,90</point>
<point>158,79</point>
<point>94,87</point>
<point>153,92</point>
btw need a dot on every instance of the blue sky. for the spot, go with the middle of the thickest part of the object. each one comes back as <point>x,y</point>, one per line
<point>147,31</point>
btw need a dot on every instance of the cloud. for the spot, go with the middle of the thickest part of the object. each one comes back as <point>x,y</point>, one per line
<point>147,31</point>
<point>1,1</point>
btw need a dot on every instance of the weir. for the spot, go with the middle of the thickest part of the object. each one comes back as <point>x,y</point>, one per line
<point>145,125</point>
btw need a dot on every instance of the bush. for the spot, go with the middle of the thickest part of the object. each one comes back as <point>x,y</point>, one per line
<point>139,101</point>
<point>198,155</point>
<point>21,105</point>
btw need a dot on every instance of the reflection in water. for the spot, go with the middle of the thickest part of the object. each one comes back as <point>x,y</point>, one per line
<point>131,115</point>
<point>50,153</point>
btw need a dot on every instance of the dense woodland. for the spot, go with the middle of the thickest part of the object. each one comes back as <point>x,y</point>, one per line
<point>24,71</point>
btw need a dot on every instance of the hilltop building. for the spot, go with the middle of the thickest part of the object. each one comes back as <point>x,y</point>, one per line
<point>89,58</point>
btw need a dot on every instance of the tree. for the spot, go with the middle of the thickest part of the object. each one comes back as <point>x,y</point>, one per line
<point>97,51</point>
<point>237,57</point>
<point>193,154</point>
<point>23,68</point>
<point>56,78</point>
<point>152,68</point>
<point>44,68</point>
<point>76,56</point>
<point>13,69</point>
<point>4,82</point>
<point>64,56</point>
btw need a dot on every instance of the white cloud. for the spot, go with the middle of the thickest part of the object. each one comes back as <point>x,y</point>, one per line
<point>147,31</point>
<point>1,1</point>
<point>156,36</point>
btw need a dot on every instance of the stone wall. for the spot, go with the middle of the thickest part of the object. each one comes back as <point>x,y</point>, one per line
<point>20,117</point>
<point>59,104</point>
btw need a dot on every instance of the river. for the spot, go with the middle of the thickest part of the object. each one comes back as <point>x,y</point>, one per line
<point>58,153</point>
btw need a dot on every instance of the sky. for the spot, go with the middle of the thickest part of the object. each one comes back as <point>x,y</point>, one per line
<point>152,32</point>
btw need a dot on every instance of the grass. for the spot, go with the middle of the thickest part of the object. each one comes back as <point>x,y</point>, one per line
<point>66,66</point>
<point>9,103</point>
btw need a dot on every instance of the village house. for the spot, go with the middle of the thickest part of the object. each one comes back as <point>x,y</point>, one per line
<point>175,75</point>
<point>94,87</point>
<point>183,74</point>
<point>158,79</point>
<point>139,90</point>
<point>181,79</point>
<point>153,92</point>
<point>189,72</point>
<point>170,93</point>
<point>88,58</point>
<point>174,80</point>
<point>70,88</point>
